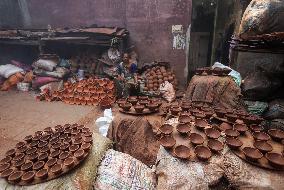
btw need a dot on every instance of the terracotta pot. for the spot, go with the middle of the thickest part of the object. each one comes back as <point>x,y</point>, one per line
<point>261,136</point>
<point>32,157</point>
<point>241,128</point>
<point>182,152</point>
<point>55,153</point>
<point>252,154</point>
<point>184,119</point>
<point>212,133</point>
<point>256,128</point>
<point>175,110</point>
<point>224,126</point>
<point>263,146</point>
<point>233,143</point>
<point>15,176</point>
<point>23,149</point>
<point>276,160</point>
<point>28,138</point>
<point>196,139</point>
<point>220,113</point>
<point>200,124</point>
<point>202,153</point>
<point>125,106</point>
<point>166,129</point>
<point>152,106</point>
<point>167,141</point>
<point>231,133</point>
<point>231,117</point>
<point>143,97</point>
<point>215,145</point>
<point>43,156</point>
<point>139,108</point>
<point>185,106</point>
<point>183,128</point>
<point>276,134</point>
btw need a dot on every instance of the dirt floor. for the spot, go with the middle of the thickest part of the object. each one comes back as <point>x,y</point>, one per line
<point>22,115</point>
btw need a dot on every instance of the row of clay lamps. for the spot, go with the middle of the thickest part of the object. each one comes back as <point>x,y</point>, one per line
<point>209,71</point>
<point>139,103</point>
<point>46,153</point>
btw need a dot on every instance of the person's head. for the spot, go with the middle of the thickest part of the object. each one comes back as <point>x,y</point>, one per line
<point>125,58</point>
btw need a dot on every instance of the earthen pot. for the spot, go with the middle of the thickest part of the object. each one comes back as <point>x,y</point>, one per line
<point>182,152</point>
<point>167,141</point>
<point>51,162</point>
<point>38,165</point>
<point>166,129</point>
<point>185,107</point>
<point>215,145</point>
<point>263,146</point>
<point>15,176</point>
<point>64,155</point>
<point>199,115</point>
<point>27,166</point>
<point>139,108</point>
<point>184,118</point>
<point>233,143</point>
<point>47,129</point>
<point>133,101</point>
<point>28,138</point>
<point>231,117</point>
<point>212,133</point>
<point>152,106</point>
<point>64,136</point>
<point>196,139</point>
<point>202,153</point>
<point>241,128</point>
<point>56,169</point>
<point>86,146</point>
<point>183,128</point>
<point>224,126</point>
<point>7,159</point>
<point>19,157</point>
<point>252,154</point>
<point>20,144</point>
<point>260,136</point>
<point>175,110</point>
<point>11,152</point>
<point>256,128</point>
<point>69,162</point>
<point>35,139</point>
<point>276,134</point>
<point>4,166</point>
<point>276,160</point>
<point>231,133</point>
<point>125,106</point>
<point>6,173</point>
<point>220,113</point>
<point>143,102</point>
<point>19,163</point>
<point>121,101</point>
<point>200,124</point>
<point>28,177</point>
<point>79,154</point>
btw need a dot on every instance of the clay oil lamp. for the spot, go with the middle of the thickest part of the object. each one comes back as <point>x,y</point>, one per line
<point>38,165</point>
<point>15,176</point>
<point>85,129</point>
<point>11,152</point>
<point>224,126</point>
<point>199,115</point>
<point>33,157</point>
<point>126,106</point>
<point>133,101</point>
<point>86,146</point>
<point>252,154</point>
<point>175,110</point>
<point>51,162</point>
<point>241,128</point>
<point>18,157</point>
<point>276,134</point>
<point>56,146</point>
<point>42,144</point>
<point>4,166</point>
<point>233,143</point>
<point>220,113</point>
<point>36,138</point>
<point>64,146</point>
<point>212,133</point>
<point>184,118</point>
<point>166,129</point>
<point>74,148</point>
<point>183,128</point>
<point>28,176</point>
<point>38,133</point>
<point>152,107</point>
<point>263,146</point>
<point>276,160</point>
<point>139,108</point>
<point>231,117</point>
<point>215,145</point>
<point>7,159</point>
<point>143,97</point>
<point>261,136</point>
<point>34,143</point>
<point>64,155</point>
<point>28,138</point>
<point>55,153</point>
<point>43,156</point>
<point>185,106</point>
<point>144,102</point>
<point>79,154</point>
<point>56,135</point>
<point>44,138</point>
<point>199,71</point>
<point>27,166</point>
<point>54,141</point>
<point>248,120</point>
<point>78,141</point>
<point>202,153</point>
<point>69,162</point>
<point>88,139</point>
<point>200,124</point>
<point>217,71</point>
<point>47,129</point>
<point>68,131</point>
<point>208,114</point>
<point>256,128</point>
<point>167,141</point>
<point>121,101</point>
<point>20,145</point>
<point>231,133</point>
<point>64,136</point>
<point>182,152</point>
<point>56,169</point>
<point>6,173</point>
<point>19,163</point>
<point>196,139</point>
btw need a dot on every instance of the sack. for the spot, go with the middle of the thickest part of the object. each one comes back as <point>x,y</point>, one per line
<point>168,91</point>
<point>261,17</point>
<point>8,70</point>
<point>104,122</point>
<point>60,72</point>
<point>40,81</point>
<point>23,66</point>
<point>45,64</point>
<point>12,81</point>
<point>275,110</point>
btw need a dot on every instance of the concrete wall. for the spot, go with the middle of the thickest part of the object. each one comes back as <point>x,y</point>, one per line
<point>149,22</point>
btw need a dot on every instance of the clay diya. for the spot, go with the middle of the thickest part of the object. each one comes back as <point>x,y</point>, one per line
<point>27,166</point>
<point>276,160</point>
<point>233,143</point>
<point>231,133</point>
<point>166,129</point>
<point>175,110</point>
<point>212,133</point>
<point>56,146</point>
<point>215,145</point>
<point>208,114</point>
<point>125,106</point>
<point>74,148</point>
<point>276,134</point>
<point>133,101</point>
<point>184,119</point>
<point>51,162</point>
<point>88,139</point>
<point>143,97</point>
<point>20,144</point>
<point>263,146</point>
<point>64,147</point>
<point>152,107</point>
<point>86,146</point>
<point>167,141</point>
<point>69,162</point>
<point>183,128</point>
<point>241,128</point>
<point>6,173</point>
<point>56,169</point>
<point>28,138</point>
<point>28,176</point>
<point>42,144</point>
<point>34,143</point>
<point>38,165</point>
<point>252,154</point>
<point>19,163</point>
<point>185,107</point>
<point>224,126</point>
<point>220,113</point>
<point>32,157</point>
<point>182,152</point>
<point>4,166</point>
<point>15,176</point>
<point>64,155</point>
<point>202,153</point>
<point>19,157</point>
<point>44,138</point>
<point>139,108</point>
<point>31,151</point>
<point>261,136</point>
<point>55,153</point>
<point>196,139</point>
<point>78,141</point>
<point>43,156</point>
<point>144,102</point>
<point>200,124</point>
<point>256,128</point>
<point>231,117</point>
<point>199,115</point>
<point>11,152</point>
<point>79,154</point>
<point>7,159</point>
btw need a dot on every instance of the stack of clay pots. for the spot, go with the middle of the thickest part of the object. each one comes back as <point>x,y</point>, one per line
<point>91,91</point>
<point>86,62</point>
<point>156,76</point>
